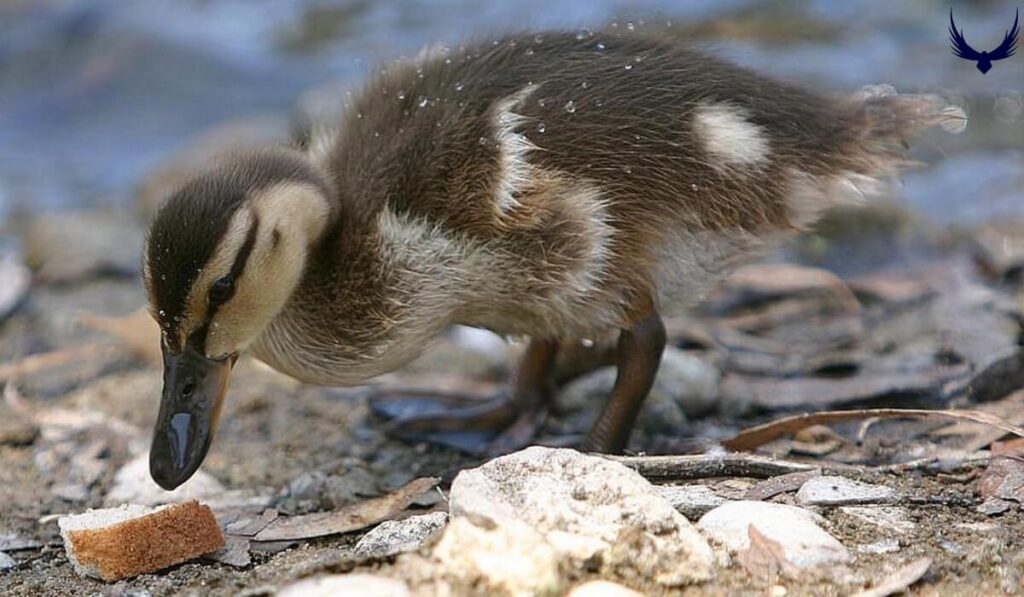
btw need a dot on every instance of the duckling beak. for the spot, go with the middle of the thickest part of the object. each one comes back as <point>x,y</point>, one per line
<point>194,389</point>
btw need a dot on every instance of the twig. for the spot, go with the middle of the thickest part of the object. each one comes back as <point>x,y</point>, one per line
<point>47,360</point>
<point>702,466</point>
<point>748,439</point>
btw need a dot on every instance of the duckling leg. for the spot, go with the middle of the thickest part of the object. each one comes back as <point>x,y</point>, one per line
<point>517,415</point>
<point>638,355</point>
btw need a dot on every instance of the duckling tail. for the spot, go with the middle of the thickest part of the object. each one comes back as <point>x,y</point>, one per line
<point>885,116</point>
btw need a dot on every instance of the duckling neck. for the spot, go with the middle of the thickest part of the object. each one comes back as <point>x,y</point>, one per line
<point>373,296</point>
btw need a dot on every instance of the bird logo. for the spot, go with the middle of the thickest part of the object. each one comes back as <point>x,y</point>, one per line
<point>984,59</point>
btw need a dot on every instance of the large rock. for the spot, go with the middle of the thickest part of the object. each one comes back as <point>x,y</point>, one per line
<point>588,510</point>
<point>803,541</point>
<point>397,536</point>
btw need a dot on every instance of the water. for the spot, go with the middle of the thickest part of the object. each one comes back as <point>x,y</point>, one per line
<point>93,93</point>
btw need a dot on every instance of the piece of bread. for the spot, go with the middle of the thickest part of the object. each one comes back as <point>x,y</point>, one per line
<point>129,540</point>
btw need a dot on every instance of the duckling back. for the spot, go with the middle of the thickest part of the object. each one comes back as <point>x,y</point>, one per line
<point>552,183</point>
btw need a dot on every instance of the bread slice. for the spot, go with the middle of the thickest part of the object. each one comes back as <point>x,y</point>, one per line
<point>129,540</point>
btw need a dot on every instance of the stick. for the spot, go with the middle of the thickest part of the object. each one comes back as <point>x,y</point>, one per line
<point>749,439</point>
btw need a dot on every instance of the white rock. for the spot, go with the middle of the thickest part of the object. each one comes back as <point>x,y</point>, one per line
<point>892,518</point>
<point>603,588</point>
<point>586,506</point>
<point>840,491</point>
<point>509,558</point>
<point>692,501</point>
<point>397,536</point>
<point>133,485</point>
<point>880,546</point>
<point>364,585</point>
<point>6,561</point>
<point>804,542</point>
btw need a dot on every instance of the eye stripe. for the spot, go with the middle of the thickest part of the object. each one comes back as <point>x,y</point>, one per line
<point>198,337</point>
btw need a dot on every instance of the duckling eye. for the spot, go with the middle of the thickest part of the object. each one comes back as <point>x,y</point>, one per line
<point>221,290</point>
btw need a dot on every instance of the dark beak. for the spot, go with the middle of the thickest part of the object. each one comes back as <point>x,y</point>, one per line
<point>194,389</point>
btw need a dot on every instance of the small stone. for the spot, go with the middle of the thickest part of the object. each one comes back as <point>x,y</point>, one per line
<point>778,591</point>
<point>365,585</point>
<point>16,429</point>
<point>589,509</point>
<point>880,546</point>
<point>234,553</point>
<point>15,542</point>
<point>73,246</point>
<point>993,506</point>
<point>15,281</point>
<point>840,491</point>
<point>603,588</point>
<point>797,530</point>
<point>397,536</point>
<point>692,501</point>
<point>133,485</point>
<point>6,561</point>
<point>952,547</point>
<point>891,518</point>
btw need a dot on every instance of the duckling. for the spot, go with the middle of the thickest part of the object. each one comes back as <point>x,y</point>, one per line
<point>553,186</point>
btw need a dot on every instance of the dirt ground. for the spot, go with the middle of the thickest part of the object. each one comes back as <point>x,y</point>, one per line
<point>868,338</point>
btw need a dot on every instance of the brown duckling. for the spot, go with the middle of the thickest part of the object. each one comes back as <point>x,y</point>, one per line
<point>548,186</point>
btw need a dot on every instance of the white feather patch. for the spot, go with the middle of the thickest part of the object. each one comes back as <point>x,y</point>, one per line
<point>514,171</point>
<point>728,136</point>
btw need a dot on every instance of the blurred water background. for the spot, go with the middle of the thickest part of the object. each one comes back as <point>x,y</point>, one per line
<point>94,93</point>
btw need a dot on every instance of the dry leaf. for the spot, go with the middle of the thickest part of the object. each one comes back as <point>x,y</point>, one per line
<point>351,518</point>
<point>780,484</point>
<point>748,439</point>
<point>765,558</point>
<point>899,580</point>
<point>771,393</point>
<point>1004,477</point>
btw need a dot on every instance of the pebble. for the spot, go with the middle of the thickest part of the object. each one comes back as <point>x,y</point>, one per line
<point>6,561</point>
<point>692,501</point>
<point>840,491</point>
<point>397,536</point>
<point>798,530</point>
<point>15,280</point>
<point>134,485</point>
<point>76,245</point>
<point>892,518</point>
<point>586,509</point>
<point>993,506</point>
<point>15,428</point>
<point>364,585</point>
<point>603,588</point>
<point>880,546</point>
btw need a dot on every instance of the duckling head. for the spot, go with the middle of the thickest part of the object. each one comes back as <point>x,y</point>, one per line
<point>222,258</point>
